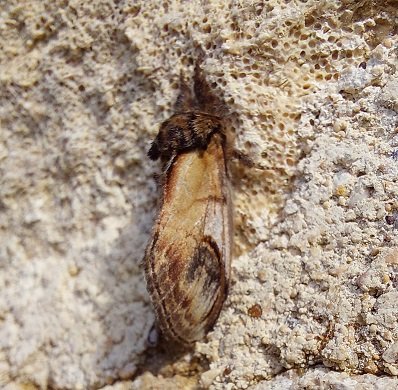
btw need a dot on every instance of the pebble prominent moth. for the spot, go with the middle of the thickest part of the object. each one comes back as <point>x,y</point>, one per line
<point>187,260</point>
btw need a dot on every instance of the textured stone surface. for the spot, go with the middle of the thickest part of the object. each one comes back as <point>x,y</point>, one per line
<point>311,88</point>
<point>320,378</point>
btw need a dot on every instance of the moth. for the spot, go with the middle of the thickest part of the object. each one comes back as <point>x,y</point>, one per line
<point>187,260</point>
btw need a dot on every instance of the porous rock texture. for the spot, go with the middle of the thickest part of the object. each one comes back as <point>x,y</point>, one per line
<point>312,91</point>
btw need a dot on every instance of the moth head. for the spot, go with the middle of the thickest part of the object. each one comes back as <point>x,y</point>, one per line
<point>206,100</point>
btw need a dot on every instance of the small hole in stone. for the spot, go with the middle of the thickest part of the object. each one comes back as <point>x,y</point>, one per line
<point>290,162</point>
<point>309,20</point>
<point>207,29</point>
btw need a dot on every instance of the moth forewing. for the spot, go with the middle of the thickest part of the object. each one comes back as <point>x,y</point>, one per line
<point>188,257</point>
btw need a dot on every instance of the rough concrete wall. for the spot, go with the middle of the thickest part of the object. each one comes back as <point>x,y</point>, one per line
<point>312,92</point>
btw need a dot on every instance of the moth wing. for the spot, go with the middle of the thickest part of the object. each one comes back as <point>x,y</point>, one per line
<point>188,259</point>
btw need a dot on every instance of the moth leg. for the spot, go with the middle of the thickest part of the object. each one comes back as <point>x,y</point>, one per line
<point>243,158</point>
<point>247,161</point>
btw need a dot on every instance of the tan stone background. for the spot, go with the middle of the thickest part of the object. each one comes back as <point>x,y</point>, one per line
<point>312,92</point>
